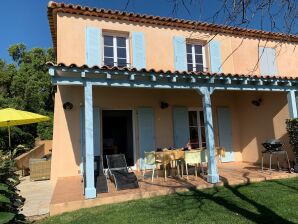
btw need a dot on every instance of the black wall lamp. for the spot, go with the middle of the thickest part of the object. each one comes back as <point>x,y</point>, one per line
<point>257,102</point>
<point>164,105</point>
<point>67,106</point>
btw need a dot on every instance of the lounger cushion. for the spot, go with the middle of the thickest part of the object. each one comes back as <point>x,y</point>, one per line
<point>125,180</point>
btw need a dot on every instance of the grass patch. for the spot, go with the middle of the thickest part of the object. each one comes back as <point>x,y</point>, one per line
<point>266,202</point>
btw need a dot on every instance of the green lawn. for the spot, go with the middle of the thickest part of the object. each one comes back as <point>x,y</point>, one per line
<point>267,202</point>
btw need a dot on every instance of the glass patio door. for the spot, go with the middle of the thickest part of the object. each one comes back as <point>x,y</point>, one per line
<point>197,128</point>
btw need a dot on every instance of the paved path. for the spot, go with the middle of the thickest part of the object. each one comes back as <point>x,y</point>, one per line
<point>38,195</point>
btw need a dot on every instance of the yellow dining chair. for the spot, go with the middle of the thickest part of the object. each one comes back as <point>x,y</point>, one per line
<point>204,159</point>
<point>178,156</point>
<point>149,162</point>
<point>193,157</point>
<point>220,153</point>
<point>163,158</point>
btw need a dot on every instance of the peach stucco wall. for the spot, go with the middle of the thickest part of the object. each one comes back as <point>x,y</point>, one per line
<point>250,125</point>
<point>238,55</point>
<point>259,124</point>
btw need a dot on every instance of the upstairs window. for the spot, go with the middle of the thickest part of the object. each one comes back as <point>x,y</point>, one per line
<point>116,51</point>
<point>195,57</point>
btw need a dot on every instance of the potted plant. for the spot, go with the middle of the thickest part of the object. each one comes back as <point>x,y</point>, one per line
<point>292,129</point>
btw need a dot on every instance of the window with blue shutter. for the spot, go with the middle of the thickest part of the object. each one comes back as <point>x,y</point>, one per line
<point>146,132</point>
<point>267,61</point>
<point>225,133</point>
<point>180,62</point>
<point>96,130</point>
<point>195,57</point>
<point>181,126</point>
<point>215,60</point>
<point>138,50</point>
<point>93,46</point>
<point>115,50</point>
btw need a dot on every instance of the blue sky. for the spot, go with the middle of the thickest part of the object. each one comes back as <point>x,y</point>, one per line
<point>25,21</point>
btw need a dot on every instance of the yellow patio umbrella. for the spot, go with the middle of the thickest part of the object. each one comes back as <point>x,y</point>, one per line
<point>12,117</point>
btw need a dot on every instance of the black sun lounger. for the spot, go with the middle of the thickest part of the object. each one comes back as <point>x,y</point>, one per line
<point>100,177</point>
<point>119,174</point>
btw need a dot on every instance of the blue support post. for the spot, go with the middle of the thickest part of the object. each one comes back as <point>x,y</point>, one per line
<point>90,191</point>
<point>292,104</point>
<point>213,176</point>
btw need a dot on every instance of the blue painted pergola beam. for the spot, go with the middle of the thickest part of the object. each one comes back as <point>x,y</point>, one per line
<point>90,191</point>
<point>219,81</point>
<point>151,83</point>
<point>206,92</point>
<point>292,104</point>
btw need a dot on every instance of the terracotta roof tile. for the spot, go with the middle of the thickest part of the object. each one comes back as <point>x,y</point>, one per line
<point>72,65</point>
<point>54,7</point>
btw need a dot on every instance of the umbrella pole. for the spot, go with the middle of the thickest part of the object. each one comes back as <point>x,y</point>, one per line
<point>9,142</point>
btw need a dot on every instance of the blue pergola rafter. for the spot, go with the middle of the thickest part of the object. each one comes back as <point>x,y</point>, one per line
<point>132,79</point>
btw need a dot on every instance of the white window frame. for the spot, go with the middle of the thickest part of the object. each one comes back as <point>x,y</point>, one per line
<point>194,56</point>
<point>198,125</point>
<point>115,56</point>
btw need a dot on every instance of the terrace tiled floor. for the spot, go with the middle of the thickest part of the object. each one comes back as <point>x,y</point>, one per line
<point>38,195</point>
<point>68,194</point>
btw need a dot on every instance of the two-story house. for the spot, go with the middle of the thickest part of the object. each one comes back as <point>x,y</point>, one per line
<point>130,83</point>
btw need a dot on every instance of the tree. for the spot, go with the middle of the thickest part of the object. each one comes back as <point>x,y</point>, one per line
<point>25,85</point>
<point>292,129</point>
<point>269,15</point>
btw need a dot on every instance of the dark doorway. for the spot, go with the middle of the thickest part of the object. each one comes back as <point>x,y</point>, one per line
<point>118,134</point>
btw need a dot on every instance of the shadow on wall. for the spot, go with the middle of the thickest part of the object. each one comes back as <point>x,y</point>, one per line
<point>260,123</point>
<point>288,147</point>
<point>67,128</point>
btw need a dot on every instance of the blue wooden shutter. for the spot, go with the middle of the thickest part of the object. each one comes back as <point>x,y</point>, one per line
<point>263,61</point>
<point>225,132</point>
<point>82,139</point>
<point>296,94</point>
<point>96,131</point>
<point>181,126</point>
<point>180,62</point>
<point>271,59</point>
<point>267,61</point>
<point>215,59</point>
<point>93,46</point>
<point>138,50</point>
<point>146,132</point>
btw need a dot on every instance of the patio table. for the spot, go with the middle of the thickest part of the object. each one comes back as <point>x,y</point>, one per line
<point>174,156</point>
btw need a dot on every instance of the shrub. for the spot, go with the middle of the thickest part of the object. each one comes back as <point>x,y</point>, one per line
<point>292,129</point>
<point>45,129</point>
<point>11,202</point>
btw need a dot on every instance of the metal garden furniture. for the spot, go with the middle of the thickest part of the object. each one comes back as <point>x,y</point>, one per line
<point>274,147</point>
<point>119,173</point>
<point>101,179</point>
